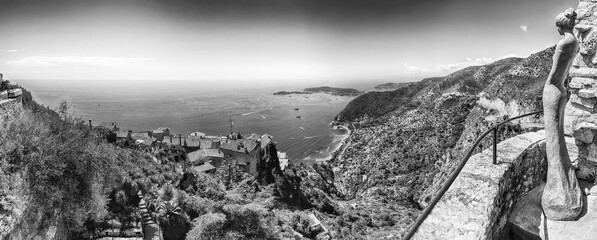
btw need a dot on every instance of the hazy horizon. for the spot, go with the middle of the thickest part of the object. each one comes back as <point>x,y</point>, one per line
<point>250,44</point>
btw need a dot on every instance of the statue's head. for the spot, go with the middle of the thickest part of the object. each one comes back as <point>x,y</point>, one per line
<point>565,21</point>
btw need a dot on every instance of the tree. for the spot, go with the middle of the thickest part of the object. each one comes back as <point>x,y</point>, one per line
<point>173,222</point>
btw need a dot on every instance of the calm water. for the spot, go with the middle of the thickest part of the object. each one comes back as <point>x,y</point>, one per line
<point>307,138</point>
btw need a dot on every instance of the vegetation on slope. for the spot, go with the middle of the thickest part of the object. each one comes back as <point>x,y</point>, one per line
<point>377,104</point>
<point>408,140</point>
<point>391,85</point>
<point>75,181</point>
<point>62,180</point>
<point>329,90</point>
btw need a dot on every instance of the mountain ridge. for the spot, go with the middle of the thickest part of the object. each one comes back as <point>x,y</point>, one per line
<point>407,141</point>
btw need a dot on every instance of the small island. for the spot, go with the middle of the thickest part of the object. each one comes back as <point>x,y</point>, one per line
<point>392,86</point>
<point>329,90</point>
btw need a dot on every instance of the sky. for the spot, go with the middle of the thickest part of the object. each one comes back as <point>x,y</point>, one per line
<point>243,42</point>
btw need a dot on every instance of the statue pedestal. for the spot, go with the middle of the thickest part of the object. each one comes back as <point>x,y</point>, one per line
<point>581,229</point>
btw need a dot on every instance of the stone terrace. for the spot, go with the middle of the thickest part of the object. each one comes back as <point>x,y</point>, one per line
<point>478,203</point>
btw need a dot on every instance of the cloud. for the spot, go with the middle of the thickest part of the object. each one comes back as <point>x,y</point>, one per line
<point>446,68</point>
<point>45,61</point>
<point>524,28</point>
<point>461,65</point>
<point>509,55</point>
<point>409,69</point>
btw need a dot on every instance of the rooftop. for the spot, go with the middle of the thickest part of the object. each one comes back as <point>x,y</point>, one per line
<point>265,140</point>
<point>241,145</point>
<point>204,168</point>
<point>196,135</point>
<point>204,153</point>
<point>192,142</point>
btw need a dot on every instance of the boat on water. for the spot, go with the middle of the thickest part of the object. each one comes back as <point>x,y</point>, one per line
<point>296,109</point>
<point>298,116</point>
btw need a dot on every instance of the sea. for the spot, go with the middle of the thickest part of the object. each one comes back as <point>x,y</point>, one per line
<point>299,123</point>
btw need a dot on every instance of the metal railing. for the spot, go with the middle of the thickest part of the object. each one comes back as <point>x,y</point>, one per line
<point>448,183</point>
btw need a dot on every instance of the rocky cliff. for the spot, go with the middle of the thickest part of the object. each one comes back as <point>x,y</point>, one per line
<point>408,140</point>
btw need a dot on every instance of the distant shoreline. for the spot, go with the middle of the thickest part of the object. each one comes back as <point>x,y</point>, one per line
<point>339,150</point>
<point>329,90</point>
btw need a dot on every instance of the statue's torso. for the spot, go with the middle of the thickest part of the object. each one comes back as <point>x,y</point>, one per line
<point>566,51</point>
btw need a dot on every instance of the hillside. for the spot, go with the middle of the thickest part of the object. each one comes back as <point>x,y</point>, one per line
<point>329,90</point>
<point>377,104</point>
<point>391,85</point>
<point>62,180</point>
<point>406,141</point>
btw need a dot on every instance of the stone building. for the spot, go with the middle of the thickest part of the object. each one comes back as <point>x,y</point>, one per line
<point>246,152</point>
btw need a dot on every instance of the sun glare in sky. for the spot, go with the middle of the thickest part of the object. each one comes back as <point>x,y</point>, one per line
<point>266,40</point>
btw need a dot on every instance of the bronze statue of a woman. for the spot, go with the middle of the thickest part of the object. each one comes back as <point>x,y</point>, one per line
<point>562,197</point>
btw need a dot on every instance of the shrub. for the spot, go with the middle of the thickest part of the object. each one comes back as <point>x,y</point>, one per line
<point>233,222</point>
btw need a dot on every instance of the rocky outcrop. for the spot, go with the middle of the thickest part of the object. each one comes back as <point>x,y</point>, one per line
<point>268,165</point>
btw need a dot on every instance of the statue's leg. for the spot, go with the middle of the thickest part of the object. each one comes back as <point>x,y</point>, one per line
<point>562,197</point>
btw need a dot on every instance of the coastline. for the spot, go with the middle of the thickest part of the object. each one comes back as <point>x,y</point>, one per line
<point>307,138</point>
<point>338,152</point>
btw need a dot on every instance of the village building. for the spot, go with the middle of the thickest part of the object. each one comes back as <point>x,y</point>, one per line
<point>112,126</point>
<point>192,144</point>
<point>246,153</point>
<point>283,159</point>
<point>205,168</point>
<point>213,156</point>
<point>196,135</point>
<point>253,136</point>
<point>165,130</point>
<point>206,143</point>
<point>157,134</point>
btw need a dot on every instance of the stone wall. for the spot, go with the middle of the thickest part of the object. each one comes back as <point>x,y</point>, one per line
<point>581,110</point>
<point>479,201</point>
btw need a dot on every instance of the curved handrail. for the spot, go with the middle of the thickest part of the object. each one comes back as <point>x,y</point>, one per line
<point>446,186</point>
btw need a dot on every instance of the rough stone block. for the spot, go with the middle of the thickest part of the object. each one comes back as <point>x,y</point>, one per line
<point>592,153</point>
<point>585,102</point>
<point>572,117</point>
<point>583,72</point>
<point>587,93</point>
<point>582,82</point>
<point>585,132</point>
<point>572,151</point>
<point>587,170</point>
